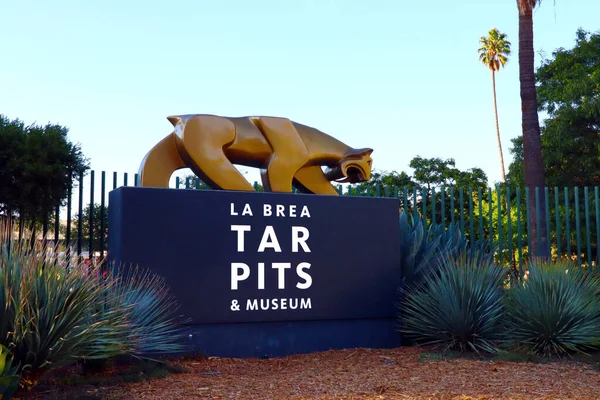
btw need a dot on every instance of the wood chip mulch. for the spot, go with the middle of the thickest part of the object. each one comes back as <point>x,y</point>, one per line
<point>403,373</point>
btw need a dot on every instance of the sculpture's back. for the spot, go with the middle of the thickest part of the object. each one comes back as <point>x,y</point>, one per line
<point>286,152</point>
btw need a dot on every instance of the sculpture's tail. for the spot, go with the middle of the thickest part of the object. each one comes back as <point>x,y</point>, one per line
<point>160,162</point>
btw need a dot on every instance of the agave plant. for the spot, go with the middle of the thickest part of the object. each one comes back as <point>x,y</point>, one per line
<point>417,249</point>
<point>422,249</point>
<point>454,243</point>
<point>49,316</point>
<point>155,328</point>
<point>458,305</point>
<point>9,375</point>
<point>555,310</point>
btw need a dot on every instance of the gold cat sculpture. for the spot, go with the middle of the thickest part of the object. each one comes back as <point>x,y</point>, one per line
<point>288,153</point>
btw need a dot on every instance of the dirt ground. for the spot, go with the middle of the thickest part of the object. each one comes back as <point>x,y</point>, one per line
<point>404,373</point>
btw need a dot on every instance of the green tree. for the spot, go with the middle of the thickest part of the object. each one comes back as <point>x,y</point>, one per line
<point>99,221</point>
<point>193,182</point>
<point>39,163</point>
<point>568,88</point>
<point>383,179</point>
<point>435,172</point>
<point>533,168</point>
<point>569,92</point>
<point>493,53</point>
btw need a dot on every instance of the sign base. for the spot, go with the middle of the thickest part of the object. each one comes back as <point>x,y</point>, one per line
<point>266,274</point>
<point>276,339</point>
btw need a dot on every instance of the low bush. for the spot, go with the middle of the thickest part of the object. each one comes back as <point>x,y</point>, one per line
<point>155,328</point>
<point>417,249</point>
<point>555,310</point>
<point>458,305</point>
<point>423,248</point>
<point>52,316</point>
<point>9,377</point>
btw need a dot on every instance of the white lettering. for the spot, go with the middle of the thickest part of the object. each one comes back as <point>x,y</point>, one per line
<point>280,210</point>
<point>247,210</point>
<point>277,304</point>
<point>307,278</point>
<point>305,303</point>
<point>233,212</point>
<point>240,229</point>
<point>235,277</point>
<point>251,305</point>
<point>281,267</point>
<point>261,276</point>
<point>267,210</point>
<point>269,239</point>
<point>292,210</point>
<point>264,304</point>
<point>305,212</point>
<point>299,240</point>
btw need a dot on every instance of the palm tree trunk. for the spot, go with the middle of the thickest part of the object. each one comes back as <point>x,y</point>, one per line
<point>498,126</point>
<point>513,259</point>
<point>532,146</point>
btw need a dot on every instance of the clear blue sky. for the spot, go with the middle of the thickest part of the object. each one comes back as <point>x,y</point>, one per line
<point>400,77</point>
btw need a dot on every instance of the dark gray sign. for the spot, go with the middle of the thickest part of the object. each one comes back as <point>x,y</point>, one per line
<point>257,257</point>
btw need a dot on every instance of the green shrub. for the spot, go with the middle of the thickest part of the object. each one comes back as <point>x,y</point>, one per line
<point>555,310</point>
<point>458,305</point>
<point>9,376</point>
<point>154,327</point>
<point>422,249</point>
<point>50,315</point>
<point>417,249</point>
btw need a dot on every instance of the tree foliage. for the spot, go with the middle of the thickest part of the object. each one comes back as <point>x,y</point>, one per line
<point>494,50</point>
<point>493,53</point>
<point>568,87</point>
<point>569,92</point>
<point>436,172</point>
<point>37,165</point>
<point>99,226</point>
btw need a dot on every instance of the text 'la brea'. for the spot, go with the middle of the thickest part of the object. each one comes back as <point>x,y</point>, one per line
<point>268,210</point>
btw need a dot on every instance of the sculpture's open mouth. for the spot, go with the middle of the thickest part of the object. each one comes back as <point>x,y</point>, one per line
<point>350,174</point>
<point>355,174</point>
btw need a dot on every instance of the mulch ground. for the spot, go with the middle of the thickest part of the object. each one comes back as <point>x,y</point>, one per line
<point>404,373</point>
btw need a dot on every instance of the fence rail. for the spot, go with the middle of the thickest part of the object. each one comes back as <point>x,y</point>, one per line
<point>500,214</point>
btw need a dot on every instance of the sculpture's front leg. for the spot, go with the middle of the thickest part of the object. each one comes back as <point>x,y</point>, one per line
<point>313,180</point>
<point>203,138</point>
<point>289,153</point>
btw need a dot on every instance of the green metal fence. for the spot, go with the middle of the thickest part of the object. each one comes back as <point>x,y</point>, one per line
<point>500,214</point>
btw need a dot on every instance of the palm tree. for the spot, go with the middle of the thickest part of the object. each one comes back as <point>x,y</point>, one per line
<point>494,52</point>
<point>532,145</point>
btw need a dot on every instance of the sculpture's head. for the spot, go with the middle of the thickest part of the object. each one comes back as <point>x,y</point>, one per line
<point>354,167</point>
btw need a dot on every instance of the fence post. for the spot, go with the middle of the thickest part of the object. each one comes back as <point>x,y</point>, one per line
<point>471,234</point>
<point>587,229</point>
<point>500,236</point>
<point>519,243</point>
<point>91,221</point>
<point>557,221</point>
<point>480,195</point>
<point>577,226</point>
<point>80,217</point>
<point>102,211</point>
<point>597,201</point>
<point>567,223</point>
